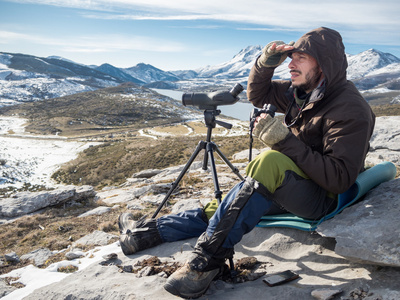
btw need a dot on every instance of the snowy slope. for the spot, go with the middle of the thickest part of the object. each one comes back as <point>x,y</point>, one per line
<point>238,66</point>
<point>29,78</point>
<point>148,73</point>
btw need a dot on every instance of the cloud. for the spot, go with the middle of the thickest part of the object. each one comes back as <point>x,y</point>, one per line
<point>124,42</point>
<point>96,43</point>
<point>288,14</point>
<point>7,36</point>
<point>359,20</point>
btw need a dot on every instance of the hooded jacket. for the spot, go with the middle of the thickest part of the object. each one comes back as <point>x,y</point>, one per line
<point>330,138</point>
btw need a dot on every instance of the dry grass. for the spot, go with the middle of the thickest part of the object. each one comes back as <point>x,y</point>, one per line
<point>56,228</point>
<point>176,130</point>
<point>113,162</point>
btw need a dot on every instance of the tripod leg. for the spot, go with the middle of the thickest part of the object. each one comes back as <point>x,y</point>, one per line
<point>210,120</point>
<point>200,146</point>
<point>205,161</point>
<point>250,147</point>
<point>223,157</point>
<point>210,151</point>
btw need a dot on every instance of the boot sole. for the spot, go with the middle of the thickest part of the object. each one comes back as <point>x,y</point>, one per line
<point>169,287</point>
<point>127,250</point>
<point>172,286</point>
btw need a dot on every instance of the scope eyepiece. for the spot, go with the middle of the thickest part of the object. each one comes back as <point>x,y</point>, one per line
<point>236,90</point>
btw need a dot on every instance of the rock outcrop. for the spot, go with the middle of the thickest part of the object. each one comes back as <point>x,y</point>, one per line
<point>24,203</point>
<point>369,230</point>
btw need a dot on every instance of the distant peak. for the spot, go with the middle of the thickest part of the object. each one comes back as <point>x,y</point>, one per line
<point>374,51</point>
<point>106,65</point>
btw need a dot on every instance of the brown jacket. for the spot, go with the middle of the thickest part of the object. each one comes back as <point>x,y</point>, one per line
<point>330,139</point>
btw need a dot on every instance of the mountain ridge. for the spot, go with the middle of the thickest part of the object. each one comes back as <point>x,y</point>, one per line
<point>118,73</point>
<point>149,73</point>
<point>25,78</point>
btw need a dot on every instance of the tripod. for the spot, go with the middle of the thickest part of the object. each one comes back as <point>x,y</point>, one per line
<point>209,147</point>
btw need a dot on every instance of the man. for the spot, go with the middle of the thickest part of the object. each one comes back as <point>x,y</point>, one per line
<point>315,155</point>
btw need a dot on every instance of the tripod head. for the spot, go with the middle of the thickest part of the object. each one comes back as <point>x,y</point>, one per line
<point>209,119</point>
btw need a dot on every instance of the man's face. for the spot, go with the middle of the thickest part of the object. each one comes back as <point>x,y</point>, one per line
<point>305,71</point>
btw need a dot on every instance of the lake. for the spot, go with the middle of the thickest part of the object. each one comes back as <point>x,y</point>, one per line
<point>239,110</point>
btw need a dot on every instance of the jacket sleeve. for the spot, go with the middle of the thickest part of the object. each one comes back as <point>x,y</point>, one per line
<point>262,90</point>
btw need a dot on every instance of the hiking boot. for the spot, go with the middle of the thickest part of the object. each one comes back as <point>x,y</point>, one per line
<point>137,235</point>
<point>187,283</point>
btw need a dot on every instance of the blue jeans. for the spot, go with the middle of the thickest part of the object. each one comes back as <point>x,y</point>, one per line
<point>192,223</point>
<point>287,188</point>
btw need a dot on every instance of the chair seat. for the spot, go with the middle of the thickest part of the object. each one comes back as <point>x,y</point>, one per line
<point>365,181</point>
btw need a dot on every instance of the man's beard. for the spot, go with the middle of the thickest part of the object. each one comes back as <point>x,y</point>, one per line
<point>312,80</point>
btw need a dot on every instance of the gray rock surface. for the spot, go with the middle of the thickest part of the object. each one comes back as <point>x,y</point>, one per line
<point>38,256</point>
<point>5,289</point>
<point>24,203</point>
<point>369,230</point>
<point>97,238</point>
<point>11,257</point>
<point>96,211</point>
<point>385,141</point>
<point>74,254</point>
<point>325,294</point>
<point>310,255</point>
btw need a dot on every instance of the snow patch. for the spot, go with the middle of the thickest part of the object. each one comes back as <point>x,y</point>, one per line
<point>32,159</point>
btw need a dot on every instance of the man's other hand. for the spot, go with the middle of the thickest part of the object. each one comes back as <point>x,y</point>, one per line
<point>269,130</point>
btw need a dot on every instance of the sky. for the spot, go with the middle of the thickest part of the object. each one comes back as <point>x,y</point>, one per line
<point>186,34</point>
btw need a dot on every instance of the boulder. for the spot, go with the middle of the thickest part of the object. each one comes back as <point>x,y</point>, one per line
<point>369,231</point>
<point>122,195</point>
<point>385,141</point>
<point>23,203</point>
<point>96,211</point>
<point>97,238</point>
<point>38,256</point>
<point>147,173</point>
<point>12,257</point>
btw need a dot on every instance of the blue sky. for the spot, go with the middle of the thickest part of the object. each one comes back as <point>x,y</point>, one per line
<point>186,34</point>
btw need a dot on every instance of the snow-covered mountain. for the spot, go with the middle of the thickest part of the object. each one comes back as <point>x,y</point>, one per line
<point>376,73</point>
<point>118,73</point>
<point>238,66</point>
<point>148,73</point>
<point>29,78</point>
<point>370,62</point>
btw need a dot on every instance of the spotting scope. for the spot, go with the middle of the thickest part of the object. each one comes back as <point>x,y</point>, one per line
<point>210,101</point>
